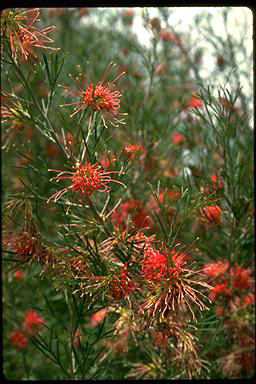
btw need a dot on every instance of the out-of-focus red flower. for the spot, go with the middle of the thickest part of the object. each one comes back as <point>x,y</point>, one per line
<point>56,12</point>
<point>84,11</point>
<point>77,339</point>
<point>211,214</point>
<point>133,151</point>
<point>220,311</point>
<point>248,300</point>
<point>167,35</point>
<point>178,138</point>
<point>107,161</point>
<point>33,322</point>
<point>220,290</point>
<point>98,317</point>
<point>226,104</point>
<point>217,182</point>
<point>155,23</point>
<point>161,340</point>
<point>139,215</point>
<point>241,277</point>
<point>125,51</point>
<point>52,150</point>
<point>18,339</point>
<point>23,243</point>
<point>19,275</point>
<point>161,69</point>
<point>42,89</point>
<point>69,139</point>
<point>127,16</point>
<point>214,270</point>
<point>194,102</point>
<point>128,12</point>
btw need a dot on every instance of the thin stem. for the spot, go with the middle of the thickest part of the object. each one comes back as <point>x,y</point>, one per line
<point>97,216</point>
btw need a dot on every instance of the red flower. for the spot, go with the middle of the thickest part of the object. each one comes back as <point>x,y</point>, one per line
<point>127,16</point>
<point>23,36</point>
<point>155,264</point>
<point>248,300</point>
<point>86,179</point>
<point>167,35</point>
<point>220,311</point>
<point>128,12</point>
<point>133,150</point>
<point>19,274</point>
<point>98,97</point>
<point>79,264</point>
<point>19,339</point>
<point>220,290</point>
<point>211,214</point>
<point>106,161</point>
<point>52,150</point>
<point>194,102</point>
<point>178,138</point>
<point>161,69</point>
<point>155,23</point>
<point>139,215</point>
<point>33,322</point>
<point>98,317</point>
<point>216,269</point>
<point>217,182</point>
<point>240,277</point>
<point>161,340</point>
<point>121,285</point>
<point>23,243</point>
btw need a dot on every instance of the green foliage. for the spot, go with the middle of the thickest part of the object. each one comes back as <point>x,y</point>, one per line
<point>158,164</point>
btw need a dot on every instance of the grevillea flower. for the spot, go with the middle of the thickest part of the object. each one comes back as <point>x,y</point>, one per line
<point>33,322</point>
<point>107,160</point>
<point>167,35</point>
<point>23,243</point>
<point>23,36</point>
<point>217,182</point>
<point>13,113</point>
<point>19,275</point>
<point>127,16</point>
<point>135,208</point>
<point>97,97</point>
<point>79,264</point>
<point>86,179</point>
<point>241,277</point>
<point>121,286</point>
<point>133,151</point>
<point>178,138</point>
<point>98,317</point>
<point>214,270</point>
<point>248,300</point>
<point>211,214</point>
<point>161,340</point>
<point>220,290</point>
<point>161,69</point>
<point>194,102</point>
<point>155,264</point>
<point>18,339</point>
<point>172,288</point>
